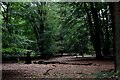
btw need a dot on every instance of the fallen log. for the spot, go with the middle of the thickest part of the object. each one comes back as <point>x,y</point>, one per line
<point>57,62</point>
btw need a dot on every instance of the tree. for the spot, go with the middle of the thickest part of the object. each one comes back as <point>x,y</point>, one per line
<point>67,27</point>
<point>15,37</point>
<point>116,22</point>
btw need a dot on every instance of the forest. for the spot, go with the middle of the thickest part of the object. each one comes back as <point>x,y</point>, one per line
<point>44,30</point>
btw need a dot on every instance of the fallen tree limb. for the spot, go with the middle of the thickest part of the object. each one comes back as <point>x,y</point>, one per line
<point>57,62</point>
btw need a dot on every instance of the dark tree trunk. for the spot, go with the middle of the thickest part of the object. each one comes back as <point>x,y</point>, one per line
<point>111,7</point>
<point>28,58</point>
<point>93,32</point>
<point>112,24</point>
<point>116,23</point>
<point>97,32</point>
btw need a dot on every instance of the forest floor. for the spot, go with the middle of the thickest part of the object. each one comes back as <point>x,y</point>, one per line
<point>72,67</point>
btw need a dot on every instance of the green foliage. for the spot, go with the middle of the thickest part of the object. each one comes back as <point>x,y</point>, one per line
<point>48,28</point>
<point>106,74</point>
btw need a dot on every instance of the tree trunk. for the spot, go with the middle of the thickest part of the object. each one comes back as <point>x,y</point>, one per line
<point>36,31</point>
<point>106,47</point>
<point>42,17</point>
<point>28,58</point>
<point>116,23</point>
<point>39,27</point>
<point>97,32</point>
<point>91,27</point>
<point>102,30</point>
<point>111,7</point>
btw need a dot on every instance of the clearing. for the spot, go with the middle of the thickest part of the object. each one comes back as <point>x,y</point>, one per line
<point>60,67</point>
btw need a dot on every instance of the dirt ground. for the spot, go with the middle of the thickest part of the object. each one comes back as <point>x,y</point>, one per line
<point>75,68</point>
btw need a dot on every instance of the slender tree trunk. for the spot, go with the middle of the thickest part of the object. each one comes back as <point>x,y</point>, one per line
<point>91,27</point>
<point>102,31</point>
<point>36,32</point>
<point>42,16</point>
<point>106,47</point>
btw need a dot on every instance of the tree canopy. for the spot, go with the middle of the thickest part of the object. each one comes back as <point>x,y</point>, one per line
<point>50,28</point>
